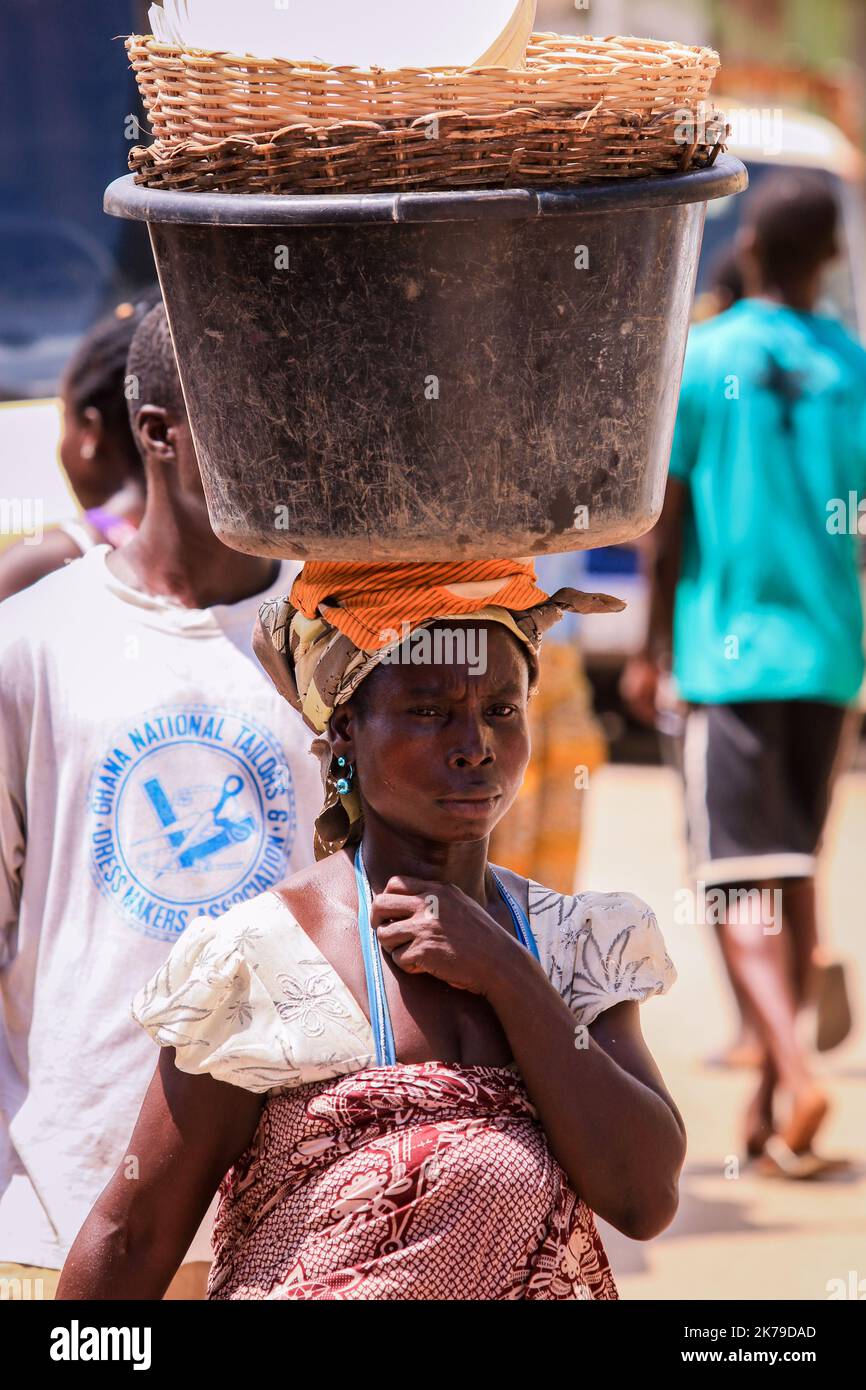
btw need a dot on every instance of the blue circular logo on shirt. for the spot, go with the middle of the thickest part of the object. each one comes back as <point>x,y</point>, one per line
<point>192,810</point>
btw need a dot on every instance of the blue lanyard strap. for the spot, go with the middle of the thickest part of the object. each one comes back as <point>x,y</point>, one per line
<point>380,1015</point>
<point>518,917</point>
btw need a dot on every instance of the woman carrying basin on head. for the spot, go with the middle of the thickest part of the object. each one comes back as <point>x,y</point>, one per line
<point>415,1075</point>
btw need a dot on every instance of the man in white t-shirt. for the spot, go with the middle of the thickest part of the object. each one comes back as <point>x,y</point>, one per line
<point>149,773</point>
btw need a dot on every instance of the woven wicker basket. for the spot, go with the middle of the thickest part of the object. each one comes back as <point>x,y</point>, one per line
<point>581,109</point>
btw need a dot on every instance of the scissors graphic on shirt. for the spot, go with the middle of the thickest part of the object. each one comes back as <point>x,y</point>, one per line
<point>186,841</point>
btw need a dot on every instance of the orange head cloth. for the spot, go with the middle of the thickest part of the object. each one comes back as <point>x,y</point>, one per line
<point>370,603</point>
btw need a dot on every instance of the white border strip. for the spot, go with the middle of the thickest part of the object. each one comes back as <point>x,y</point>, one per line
<point>755,868</point>
<point>695,744</point>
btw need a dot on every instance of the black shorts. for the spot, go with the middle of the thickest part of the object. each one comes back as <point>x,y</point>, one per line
<point>758,778</point>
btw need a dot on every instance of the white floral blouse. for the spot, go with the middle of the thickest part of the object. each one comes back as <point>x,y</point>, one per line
<point>249,998</point>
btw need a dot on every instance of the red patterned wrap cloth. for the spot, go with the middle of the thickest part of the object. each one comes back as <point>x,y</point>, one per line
<point>421,1181</point>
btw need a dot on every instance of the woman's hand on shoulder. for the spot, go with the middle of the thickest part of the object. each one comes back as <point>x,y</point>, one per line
<point>435,929</point>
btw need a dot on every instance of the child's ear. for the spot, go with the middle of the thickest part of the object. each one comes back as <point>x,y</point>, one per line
<point>153,431</point>
<point>92,432</point>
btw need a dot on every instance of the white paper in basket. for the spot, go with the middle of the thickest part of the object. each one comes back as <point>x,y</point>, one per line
<point>364,33</point>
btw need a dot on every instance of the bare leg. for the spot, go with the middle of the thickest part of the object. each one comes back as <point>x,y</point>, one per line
<point>759,1112</point>
<point>801,924</point>
<point>746,1050</point>
<point>761,959</point>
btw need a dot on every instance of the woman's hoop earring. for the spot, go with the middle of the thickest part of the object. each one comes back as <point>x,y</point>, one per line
<point>344,783</point>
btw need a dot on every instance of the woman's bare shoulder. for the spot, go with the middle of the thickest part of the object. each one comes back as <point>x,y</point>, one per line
<point>316,895</point>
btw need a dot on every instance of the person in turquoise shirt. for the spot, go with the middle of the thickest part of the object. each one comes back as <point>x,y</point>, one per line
<point>771,434</point>
<point>755,605</point>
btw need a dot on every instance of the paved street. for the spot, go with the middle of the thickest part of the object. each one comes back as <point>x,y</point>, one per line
<point>735,1236</point>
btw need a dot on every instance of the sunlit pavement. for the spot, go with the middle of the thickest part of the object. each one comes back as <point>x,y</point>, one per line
<point>735,1236</point>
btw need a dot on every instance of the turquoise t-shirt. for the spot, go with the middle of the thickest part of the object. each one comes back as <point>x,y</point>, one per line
<point>771,443</point>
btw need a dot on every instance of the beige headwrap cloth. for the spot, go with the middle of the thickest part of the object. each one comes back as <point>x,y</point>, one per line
<point>319,642</point>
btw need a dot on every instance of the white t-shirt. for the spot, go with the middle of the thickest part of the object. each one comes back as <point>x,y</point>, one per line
<point>149,774</point>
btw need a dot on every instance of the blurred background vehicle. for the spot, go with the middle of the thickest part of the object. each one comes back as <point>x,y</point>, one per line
<point>69,111</point>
